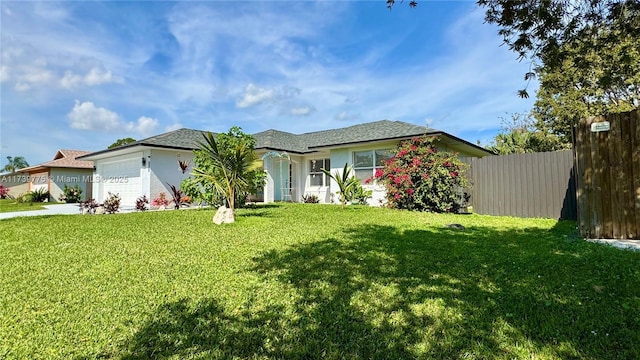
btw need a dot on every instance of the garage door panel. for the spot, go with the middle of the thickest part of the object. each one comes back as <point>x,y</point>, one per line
<point>123,178</point>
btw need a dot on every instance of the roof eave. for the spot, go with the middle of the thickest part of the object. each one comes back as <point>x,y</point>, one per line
<point>479,151</point>
<point>395,138</point>
<point>97,155</point>
<point>271,148</point>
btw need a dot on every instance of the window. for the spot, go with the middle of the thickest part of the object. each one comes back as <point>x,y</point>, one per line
<point>316,176</point>
<point>365,163</point>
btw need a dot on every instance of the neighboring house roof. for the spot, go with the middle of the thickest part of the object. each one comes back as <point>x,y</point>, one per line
<point>64,158</point>
<point>188,139</point>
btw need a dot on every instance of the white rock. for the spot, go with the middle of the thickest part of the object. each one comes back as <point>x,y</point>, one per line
<point>224,215</point>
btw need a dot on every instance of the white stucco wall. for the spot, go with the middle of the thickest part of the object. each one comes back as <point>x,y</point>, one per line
<point>269,188</point>
<point>164,170</point>
<point>341,156</point>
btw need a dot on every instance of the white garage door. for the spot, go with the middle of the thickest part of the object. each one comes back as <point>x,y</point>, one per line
<point>122,177</point>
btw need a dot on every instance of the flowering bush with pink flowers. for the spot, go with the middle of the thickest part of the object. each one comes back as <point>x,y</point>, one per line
<point>420,177</point>
<point>161,200</point>
<point>4,192</point>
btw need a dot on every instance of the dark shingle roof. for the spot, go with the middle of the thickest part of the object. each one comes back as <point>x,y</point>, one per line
<point>307,142</point>
<point>188,139</point>
<point>379,130</point>
<point>178,139</point>
<point>278,140</point>
<point>184,139</point>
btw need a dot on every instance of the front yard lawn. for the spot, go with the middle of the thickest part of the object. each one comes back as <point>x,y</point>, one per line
<point>10,205</point>
<point>313,281</point>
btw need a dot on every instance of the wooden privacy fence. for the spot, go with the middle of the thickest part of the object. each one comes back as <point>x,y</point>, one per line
<point>538,185</point>
<point>607,158</point>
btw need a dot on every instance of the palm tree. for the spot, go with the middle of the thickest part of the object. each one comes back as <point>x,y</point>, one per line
<point>346,183</point>
<point>231,166</point>
<point>15,163</point>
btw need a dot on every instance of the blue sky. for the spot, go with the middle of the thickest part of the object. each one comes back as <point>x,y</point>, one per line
<point>79,75</point>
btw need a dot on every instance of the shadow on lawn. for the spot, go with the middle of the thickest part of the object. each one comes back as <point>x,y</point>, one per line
<point>380,293</point>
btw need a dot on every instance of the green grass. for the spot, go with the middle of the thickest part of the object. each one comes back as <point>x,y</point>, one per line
<point>10,205</point>
<point>312,281</point>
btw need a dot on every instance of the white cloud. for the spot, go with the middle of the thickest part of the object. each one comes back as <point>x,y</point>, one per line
<point>4,73</point>
<point>95,76</point>
<point>254,95</point>
<point>145,126</point>
<point>302,110</point>
<point>87,116</point>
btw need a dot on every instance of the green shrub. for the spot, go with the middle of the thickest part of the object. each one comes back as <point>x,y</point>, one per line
<point>357,194</point>
<point>420,177</point>
<point>71,194</point>
<point>39,195</point>
<point>201,193</point>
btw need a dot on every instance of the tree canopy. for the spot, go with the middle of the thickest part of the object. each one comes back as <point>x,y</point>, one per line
<point>121,142</point>
<point>585,53</point>
<point>596,74</point>
<point>15,163</point>
<point>522,134</point>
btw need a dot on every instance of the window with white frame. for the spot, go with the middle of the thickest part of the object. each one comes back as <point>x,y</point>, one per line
<point>365,163</point>
<point>316,176</point>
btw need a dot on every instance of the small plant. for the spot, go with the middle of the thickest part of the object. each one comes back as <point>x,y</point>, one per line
<point>359,195</point>
<point>345,182</point>
<point>142,203</point>
<point>71,194</point>
<point>38,195</point>
<point>89,206</point>
<point>112,203</point>
<point>178,197</point>
<point>161,200</point>
<point>4,192</point>
<point>310,199</point>
<point>184,165</point>
<point>23,198</point>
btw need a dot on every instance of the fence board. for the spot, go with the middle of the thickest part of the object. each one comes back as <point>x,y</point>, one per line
<point>524,185</point>
<point>627,178</point>
<point>608,177</point>
<point>581,154</point>
<point>635,165</point>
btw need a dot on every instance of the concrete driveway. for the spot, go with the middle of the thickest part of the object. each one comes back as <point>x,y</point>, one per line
<point>57,209</point>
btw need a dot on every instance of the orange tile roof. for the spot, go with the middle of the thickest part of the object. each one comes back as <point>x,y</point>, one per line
<point>64,158</point>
